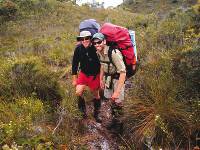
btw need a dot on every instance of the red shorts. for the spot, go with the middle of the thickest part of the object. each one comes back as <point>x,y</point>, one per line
<point>91,81</point>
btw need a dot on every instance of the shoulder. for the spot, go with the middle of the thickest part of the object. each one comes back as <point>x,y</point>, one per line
<point>78,46</point>
<point>117,57</point>
<point>92,47</point>
<point>116,53</point>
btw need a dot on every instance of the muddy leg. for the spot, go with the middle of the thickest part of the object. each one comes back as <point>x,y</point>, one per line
<point>116,124</point>
<point>82,107</point>
<point>97,106</point>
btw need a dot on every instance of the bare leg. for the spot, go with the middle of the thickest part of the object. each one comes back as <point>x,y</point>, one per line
<point>96,94</point>
<point>80,89</point>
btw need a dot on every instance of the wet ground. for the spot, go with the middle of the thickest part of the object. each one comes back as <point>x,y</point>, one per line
<point>95,135</point>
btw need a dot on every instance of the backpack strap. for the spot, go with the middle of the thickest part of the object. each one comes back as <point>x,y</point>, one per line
<point>108,63</point>
<point>110,55</point>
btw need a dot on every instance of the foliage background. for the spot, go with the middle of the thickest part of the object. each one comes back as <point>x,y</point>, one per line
<point>36,45</point>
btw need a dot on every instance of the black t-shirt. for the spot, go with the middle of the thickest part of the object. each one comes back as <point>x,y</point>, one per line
<point>87,59</point>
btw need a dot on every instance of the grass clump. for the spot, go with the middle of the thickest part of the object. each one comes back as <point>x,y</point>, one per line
<point>153,112</point>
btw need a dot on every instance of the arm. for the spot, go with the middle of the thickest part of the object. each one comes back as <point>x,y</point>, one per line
<point>120,83</point>
<point>102,84</point>
<point>117,59</point>
<point>75,65</point>
<point>74,80</point>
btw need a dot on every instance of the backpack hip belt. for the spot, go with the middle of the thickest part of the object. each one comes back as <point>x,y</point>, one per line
<point>112,76</point>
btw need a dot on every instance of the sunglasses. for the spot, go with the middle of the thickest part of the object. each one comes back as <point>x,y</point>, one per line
<point>84,38</point>
<point>95,43</point>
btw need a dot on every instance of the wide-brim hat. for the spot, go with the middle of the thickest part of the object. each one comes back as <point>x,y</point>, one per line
<point>84,34</point>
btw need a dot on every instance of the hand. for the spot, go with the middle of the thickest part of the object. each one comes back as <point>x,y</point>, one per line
<point>134,67</point>
<point>115,96</point>
<point>74,82</point>
<point>102,84</point>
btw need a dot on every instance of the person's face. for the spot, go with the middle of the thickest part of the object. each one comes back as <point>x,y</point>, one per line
<point>99,45</point>
<point>86,41</point>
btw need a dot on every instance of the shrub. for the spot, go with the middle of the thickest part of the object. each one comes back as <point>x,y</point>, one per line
<point>8,10</point>
<point>17,118</point>
<point>186,67</point>
<point>58,56</point>
<point>29,77</point>
<point>153,111</point>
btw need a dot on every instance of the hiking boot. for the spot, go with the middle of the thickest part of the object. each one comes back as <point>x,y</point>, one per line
<point>119,128</point>
<point>97,106</point>
<point>112,124</point>
<point>82,107</point>
<point>116,125</point>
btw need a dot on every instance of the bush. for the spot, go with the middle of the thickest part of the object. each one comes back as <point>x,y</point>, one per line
<point>186,68</point>
<point>153,111</point>
<point>29,77</point>
<point>25,4</point>
<point>17,118</point>
<point>8,10</point>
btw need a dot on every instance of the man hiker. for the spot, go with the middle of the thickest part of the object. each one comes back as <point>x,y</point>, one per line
<point>85,58</point>
<point>112,78</point>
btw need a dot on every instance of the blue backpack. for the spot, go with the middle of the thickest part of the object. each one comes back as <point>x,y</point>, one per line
<point>89,25</point>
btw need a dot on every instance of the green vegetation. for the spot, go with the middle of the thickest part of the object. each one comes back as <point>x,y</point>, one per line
<point>37,38</point>
<point>163,107</point>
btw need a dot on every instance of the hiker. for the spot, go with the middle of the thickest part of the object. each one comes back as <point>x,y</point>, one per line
<point>112,78</point>
<point>85,56</point>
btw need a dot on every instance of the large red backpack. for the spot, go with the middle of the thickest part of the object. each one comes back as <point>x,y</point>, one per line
<point>119,37</point>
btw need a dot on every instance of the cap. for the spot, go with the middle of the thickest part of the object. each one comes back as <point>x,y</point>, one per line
<point>84,34</point>
<point>99,36</point>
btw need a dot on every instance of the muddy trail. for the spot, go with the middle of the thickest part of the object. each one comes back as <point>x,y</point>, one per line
<point>91,134</point>
<point>95,136</point>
